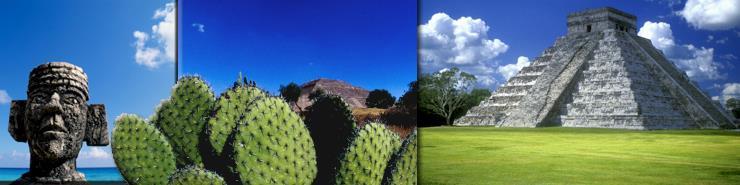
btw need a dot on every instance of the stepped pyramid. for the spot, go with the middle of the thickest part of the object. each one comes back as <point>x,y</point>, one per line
<point>601,74</point>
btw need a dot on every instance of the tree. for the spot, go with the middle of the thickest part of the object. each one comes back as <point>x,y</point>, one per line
<point>445,92</point>
<point>290,93</point>
<point>380,98</point>
<point>410,99</point>
<point>316,94</point>
<point>734,106</point>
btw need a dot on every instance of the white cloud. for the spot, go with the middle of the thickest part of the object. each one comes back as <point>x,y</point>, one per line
<point>731,90</point>
<point>659,33</point>
<point>461,43</point>
<point>158,47</point>
<point>698,62</point>
<point>20,155</point>
<point>200,27</point>
<point>95,153</point>
<point>510,70</point>
<point>4,97</point>
<point>712,14</point>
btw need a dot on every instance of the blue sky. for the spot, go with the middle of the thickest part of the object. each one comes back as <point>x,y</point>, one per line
<point>97,36</point>
<point>371,44</point>
<point>526,27</point>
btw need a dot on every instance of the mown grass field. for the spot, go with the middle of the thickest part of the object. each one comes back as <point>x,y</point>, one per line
<point>486,155</point>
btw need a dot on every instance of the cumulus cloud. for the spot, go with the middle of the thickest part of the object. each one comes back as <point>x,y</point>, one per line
<point>461,43</point>
<point>95,153</point>
<point>200,27</point>
<point>731,90</point>
<point>510,70</point>
<point>4,97</point>
<point>659,33</point>
<point>157,47</point>
<point>712,14</point>
<point>698,62</point>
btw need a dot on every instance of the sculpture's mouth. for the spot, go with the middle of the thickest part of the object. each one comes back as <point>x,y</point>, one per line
<point>53,127</point>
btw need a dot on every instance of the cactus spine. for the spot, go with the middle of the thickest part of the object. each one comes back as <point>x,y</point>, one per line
<point>193,175</point>
<point>228,110</point>
<point>402,169</point>
<point>273,146</point>
<point>182,118</point>
<point>141,152</point>
<point>366,159</point>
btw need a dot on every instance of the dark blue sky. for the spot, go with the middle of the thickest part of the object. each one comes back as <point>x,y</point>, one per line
<point>530,26</point>
<point>371,44</point>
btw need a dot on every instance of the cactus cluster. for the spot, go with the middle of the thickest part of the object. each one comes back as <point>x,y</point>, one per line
<point>371,154</point>
<point>249,137</point>
<point>245,136</point>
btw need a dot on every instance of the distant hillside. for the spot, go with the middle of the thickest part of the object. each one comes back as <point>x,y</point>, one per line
<point>354,96</point>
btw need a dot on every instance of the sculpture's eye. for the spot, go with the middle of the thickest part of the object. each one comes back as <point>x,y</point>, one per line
<point>38,99</point>
<point>71,100</point>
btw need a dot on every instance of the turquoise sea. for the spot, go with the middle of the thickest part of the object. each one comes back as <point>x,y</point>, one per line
<point>92,174</point>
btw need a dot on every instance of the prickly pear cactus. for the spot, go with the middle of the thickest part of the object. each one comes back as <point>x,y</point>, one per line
<point>182,118</point>
<point>141,152</point>
<point>273,146</point>
<point>402,169</point>
<point>192,175</point>
<point>229,108</point>
<point>367,157</point>
<point>330,121</point>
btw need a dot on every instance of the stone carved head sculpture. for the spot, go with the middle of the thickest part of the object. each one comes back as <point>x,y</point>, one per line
<point>54,121</point>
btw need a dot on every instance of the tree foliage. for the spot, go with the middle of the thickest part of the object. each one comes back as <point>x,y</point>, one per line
<point>733,105</point>
<point>444,93</point>
<point>380,98</point>
<point>290,92</point>
<point>316,94</point>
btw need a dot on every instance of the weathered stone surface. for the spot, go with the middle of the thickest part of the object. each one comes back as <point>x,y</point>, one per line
<point>354,96</point>
<point>601,74</point>
<point>54,121</point>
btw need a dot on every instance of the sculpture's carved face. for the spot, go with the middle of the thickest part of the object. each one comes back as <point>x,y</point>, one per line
<point>56,123</point>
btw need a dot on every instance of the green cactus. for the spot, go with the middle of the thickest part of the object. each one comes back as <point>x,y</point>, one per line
<point>273,146</point>
<point>228,109</point>
<point>182,118</point>
<point>330,122</point>
<point>195,175</point>
<point>141,152</point>
<point>367,157</point>
<point>402,169</point>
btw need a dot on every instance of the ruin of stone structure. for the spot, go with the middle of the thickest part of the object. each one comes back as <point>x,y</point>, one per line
<point>54,121</point>
<point>601,74</point>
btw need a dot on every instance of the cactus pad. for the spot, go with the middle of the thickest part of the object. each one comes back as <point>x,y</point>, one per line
<point>402,169</point>
<point>228,111</point>
<point>273,146</point>
<point>182,118</point>
<point>330,121</point>
<point>195,175</point>
<point>141,152</point>
<point>367,157</point>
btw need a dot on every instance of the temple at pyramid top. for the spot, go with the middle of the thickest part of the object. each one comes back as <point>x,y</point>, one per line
<point>603,75</point>
<point>595,20</point>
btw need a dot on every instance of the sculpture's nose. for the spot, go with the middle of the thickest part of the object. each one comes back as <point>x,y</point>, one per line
<point>53,106</point>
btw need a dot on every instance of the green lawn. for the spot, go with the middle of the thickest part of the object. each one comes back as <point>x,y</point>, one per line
<point>485,155</point>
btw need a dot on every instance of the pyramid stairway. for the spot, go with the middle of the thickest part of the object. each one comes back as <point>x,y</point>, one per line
<point>601,74</point>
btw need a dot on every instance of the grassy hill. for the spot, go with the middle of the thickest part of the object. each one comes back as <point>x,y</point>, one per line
<point>485,155</point>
